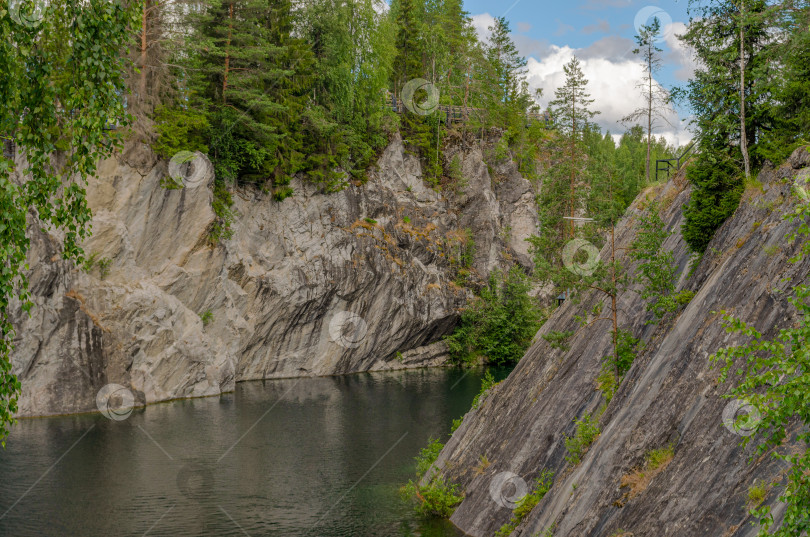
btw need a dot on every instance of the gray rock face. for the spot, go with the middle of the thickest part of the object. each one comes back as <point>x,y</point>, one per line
<point>800,158</point>
<point>671,396</point>
<point>317,284</point>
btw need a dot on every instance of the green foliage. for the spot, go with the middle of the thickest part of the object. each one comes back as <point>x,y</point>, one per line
<point>771,250</point>
<point>717,187</point>
<point>206,317</point>
<point>90,262</point>
<point>62,86</point>
<point>499,324</point>
<point>542,486</point>
<point>427,456</point>
<point>280,193</point>
<point>170,183</point>
<point>180,129</point>
<point>571,104</point>
<point>625,349</point>
<point>757,494</point>
<point>748,91</point>
<point>506,75</point>
<point>370,221</point>
<point>549,532</point>
<point>606,381</point>
<point>658,457</point>
<point>775,379</point>
<point>559,339</point>
<point>674,302</point>
<point>527,503</point>
<point>487,383</point>
<point>790,88</point>
<point>348,122</point>
<point>657,269</point>
<point>586,433</point>
<point>221,228</point>
<point>563,193</point>
<point>656,104</point>
<point>104,267</point>
<point>714,92</point>
<point>243,83</point>
<point>454,172</point>
<point>460,248</point>
<point>606,186</point>
<point>694,263</point>
<point>437,498</point>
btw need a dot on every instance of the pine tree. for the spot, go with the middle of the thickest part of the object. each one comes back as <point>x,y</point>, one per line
<point>572,116</point>
<point>565,181</point>
<point>253,78</point>
<point>508,73</point>
<point>408,64</point>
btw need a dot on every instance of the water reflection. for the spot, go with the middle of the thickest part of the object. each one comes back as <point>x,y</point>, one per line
<point>315,457</point>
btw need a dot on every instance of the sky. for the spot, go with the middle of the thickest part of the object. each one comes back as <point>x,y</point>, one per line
<point>601,33</point>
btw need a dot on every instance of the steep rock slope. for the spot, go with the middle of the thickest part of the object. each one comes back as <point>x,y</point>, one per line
<point>670,397</point>
<point>317,284</point>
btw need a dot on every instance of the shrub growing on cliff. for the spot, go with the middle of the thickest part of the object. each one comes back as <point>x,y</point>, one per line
<point>527,503</point>
<point>221,227</point>
<point>587,431</point>
<point>499,324</point>
<point>487,383</point>
<point>437,498</point>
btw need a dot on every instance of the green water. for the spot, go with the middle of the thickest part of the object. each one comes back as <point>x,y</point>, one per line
<point>309,457</point>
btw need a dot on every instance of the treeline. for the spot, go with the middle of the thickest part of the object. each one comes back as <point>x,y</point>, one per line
<point>751,98</point>
<point>270,89</point>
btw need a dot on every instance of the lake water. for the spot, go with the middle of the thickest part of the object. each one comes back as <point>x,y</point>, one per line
<point>310,457</point>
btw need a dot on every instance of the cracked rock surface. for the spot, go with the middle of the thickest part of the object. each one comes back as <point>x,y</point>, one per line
<point>318,284</point>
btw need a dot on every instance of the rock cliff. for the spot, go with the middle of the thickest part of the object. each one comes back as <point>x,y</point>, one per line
<point>317,284</point>
<point>670,397</point>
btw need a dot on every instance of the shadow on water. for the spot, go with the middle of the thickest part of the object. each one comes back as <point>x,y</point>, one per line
<point>312,457</point>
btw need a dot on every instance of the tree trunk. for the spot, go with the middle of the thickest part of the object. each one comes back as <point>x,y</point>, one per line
<point>466,89</point>
<point>573,156</point>
<point>227,53</point>
<point>649,113</point>
<point>144,27</point>
<point>743,134</point>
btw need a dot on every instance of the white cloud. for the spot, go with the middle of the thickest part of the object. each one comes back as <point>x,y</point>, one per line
<point>678,53</point>
<point>612,84</point>
<point>481,23</point>
<point>610,66</point>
